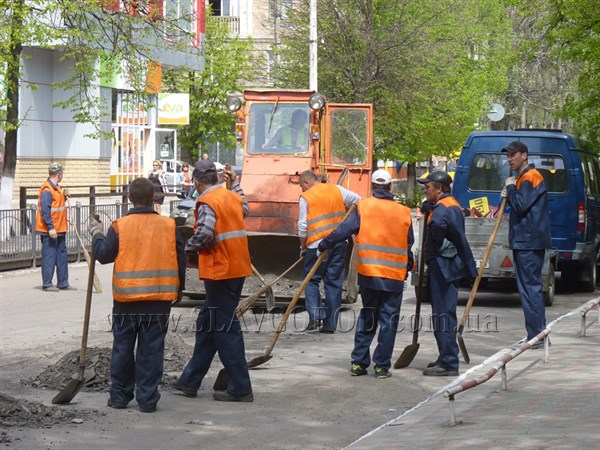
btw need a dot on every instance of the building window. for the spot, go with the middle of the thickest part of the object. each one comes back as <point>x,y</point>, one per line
<point>220,7</point>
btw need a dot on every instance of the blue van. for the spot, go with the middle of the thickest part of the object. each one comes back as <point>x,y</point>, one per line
<point>572,176</point>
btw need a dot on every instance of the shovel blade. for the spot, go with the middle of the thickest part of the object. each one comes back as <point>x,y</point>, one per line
<point>222,380</point>
<point>407,356</point>
<point>255,362</point>
<point>68,393</point>
<point>270,299</point>
<point>463,348</point>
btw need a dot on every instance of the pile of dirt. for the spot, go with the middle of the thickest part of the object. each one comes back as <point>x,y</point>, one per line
<point>24,413</point>
<point>97,373</point>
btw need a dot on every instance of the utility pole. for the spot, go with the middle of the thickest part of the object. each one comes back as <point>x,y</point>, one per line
<point>313,82</point>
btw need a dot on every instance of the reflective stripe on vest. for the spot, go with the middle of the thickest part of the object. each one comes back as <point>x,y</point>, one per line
<point>326,210</point>
<point>58,211</point>
<point>382,241</point>
<point>146,267</point>
<point>228,257</point>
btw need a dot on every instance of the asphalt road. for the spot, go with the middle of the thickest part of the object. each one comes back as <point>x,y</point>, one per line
<point>304,397</point>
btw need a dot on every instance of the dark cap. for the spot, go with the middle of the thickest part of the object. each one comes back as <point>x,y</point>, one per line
<point>54,168</point>
<point>204,166</point>
<point>516,146</point>
<point>437,177</point>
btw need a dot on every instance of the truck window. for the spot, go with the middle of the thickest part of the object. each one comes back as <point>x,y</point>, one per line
<point>349,136</point>
<point>552,168</point>
<point>278,128</point>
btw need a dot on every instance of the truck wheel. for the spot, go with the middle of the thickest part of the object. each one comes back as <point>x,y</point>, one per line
<point>588,277</point>
<point>549,294</point>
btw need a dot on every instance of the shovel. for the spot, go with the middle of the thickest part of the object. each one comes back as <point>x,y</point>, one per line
<point>74,386</point>
<point>486,255</point>
<point>410,351</point>
<point>270,297</point>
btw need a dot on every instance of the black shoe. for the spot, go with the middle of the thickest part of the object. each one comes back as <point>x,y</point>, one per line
<point>51,289</point>
<point>68,287</point>
<point>432,363</point>
<point>148,409</point>
<point>326,331</point>
<point>224,396</point>
<point>357,370</point>
<point>313,325</point>
<point>185,390</point>
<point>114,405</point>
<point>438,371</point>
<point>382,372</point>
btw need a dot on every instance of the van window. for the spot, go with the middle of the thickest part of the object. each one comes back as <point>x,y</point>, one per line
<point>489,170</point>
<point>589,166</point>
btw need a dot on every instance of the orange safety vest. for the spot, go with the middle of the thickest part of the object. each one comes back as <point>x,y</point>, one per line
<point>58,212</point>
<point>326,210</point>
<point>382,241</point>
<point>229,256</point>
<point>146,267</point>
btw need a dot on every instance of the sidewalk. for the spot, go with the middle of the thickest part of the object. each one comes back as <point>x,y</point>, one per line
<point>547,405</point>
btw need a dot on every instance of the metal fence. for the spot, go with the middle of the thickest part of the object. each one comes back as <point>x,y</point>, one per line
<point>20,246</point>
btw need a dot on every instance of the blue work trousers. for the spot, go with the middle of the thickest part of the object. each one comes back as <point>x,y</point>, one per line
<point>218,330</point>
<point>54,255</point>
<point>144,371</point>
<point>332,273</point>
<point>443,295</point>
<point>380,309</point>
<point>528,270</point>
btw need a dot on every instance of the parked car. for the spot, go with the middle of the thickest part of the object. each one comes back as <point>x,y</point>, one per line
<point>172,168</point>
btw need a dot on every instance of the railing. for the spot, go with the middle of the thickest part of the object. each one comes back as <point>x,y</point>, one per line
<point>232,23</point>
<point>20,246</point>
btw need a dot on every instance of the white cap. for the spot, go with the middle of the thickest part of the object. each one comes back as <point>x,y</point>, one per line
<point>381,177</point>
<point>220,167</point>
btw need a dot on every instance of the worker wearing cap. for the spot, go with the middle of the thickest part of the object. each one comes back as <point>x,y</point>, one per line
<point>148,275</point>
<point>51,225</point>
<point>529,233</point>
<point>449,259</point>
<point>219,248</point>
<point>384,238</point>
<point>321,208</point>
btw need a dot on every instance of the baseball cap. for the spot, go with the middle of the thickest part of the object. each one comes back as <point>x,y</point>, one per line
<point>437,176</point>
<point>381,177</point>
<point>55,168</point>
<point>515,146</point>
<point>204,166</point>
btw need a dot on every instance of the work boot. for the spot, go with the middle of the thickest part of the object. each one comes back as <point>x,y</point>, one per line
<point>382,372</point>
<point>439,371</point>
<point>114,405</point>
<point>357,370</point>
<point>313,325</point>
<point>185,390</point>
<point>224,396</point>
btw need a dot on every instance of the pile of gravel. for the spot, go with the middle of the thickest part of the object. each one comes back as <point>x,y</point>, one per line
<point>97,373</point>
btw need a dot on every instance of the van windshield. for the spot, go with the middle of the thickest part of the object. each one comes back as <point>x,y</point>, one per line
<point>489,170</point>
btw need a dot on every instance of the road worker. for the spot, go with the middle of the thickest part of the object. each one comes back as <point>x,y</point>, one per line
<point>219,248</point>
<point>149,274</point>
<point>529,234</point>
<point>449,259</point>
<point>321,208</point>
<point>384,238</point>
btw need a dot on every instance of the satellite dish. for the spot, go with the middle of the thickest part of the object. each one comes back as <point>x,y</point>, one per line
<point>496,112</point>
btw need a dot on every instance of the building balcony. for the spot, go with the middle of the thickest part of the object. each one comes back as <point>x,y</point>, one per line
<point>231,22</point>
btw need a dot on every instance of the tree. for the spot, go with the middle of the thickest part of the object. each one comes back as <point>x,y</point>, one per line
<point>430,68</point>
<point>229,63</point>
<point>133,32</point>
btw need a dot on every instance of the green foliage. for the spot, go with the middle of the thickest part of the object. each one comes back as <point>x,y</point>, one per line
<point>229,63</point>
<point>428,67</point>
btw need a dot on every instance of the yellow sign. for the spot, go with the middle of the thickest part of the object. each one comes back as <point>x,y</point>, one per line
<point>480,204</point>
<point>173,109</point>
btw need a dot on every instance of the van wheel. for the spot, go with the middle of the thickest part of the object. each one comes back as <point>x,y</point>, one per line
<point>549,294</point>
<point>588,278</point>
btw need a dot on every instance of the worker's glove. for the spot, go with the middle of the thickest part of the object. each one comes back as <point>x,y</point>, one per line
<point>426,207</point>
<point>504,192</point>
<point>66,192</point>
<point>302,252</point>
<point>510,180</point>
<point>95,226</point>
<point>52,233</point>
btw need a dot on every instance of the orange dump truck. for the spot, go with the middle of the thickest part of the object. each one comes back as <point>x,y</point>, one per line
<point>283,133</point>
